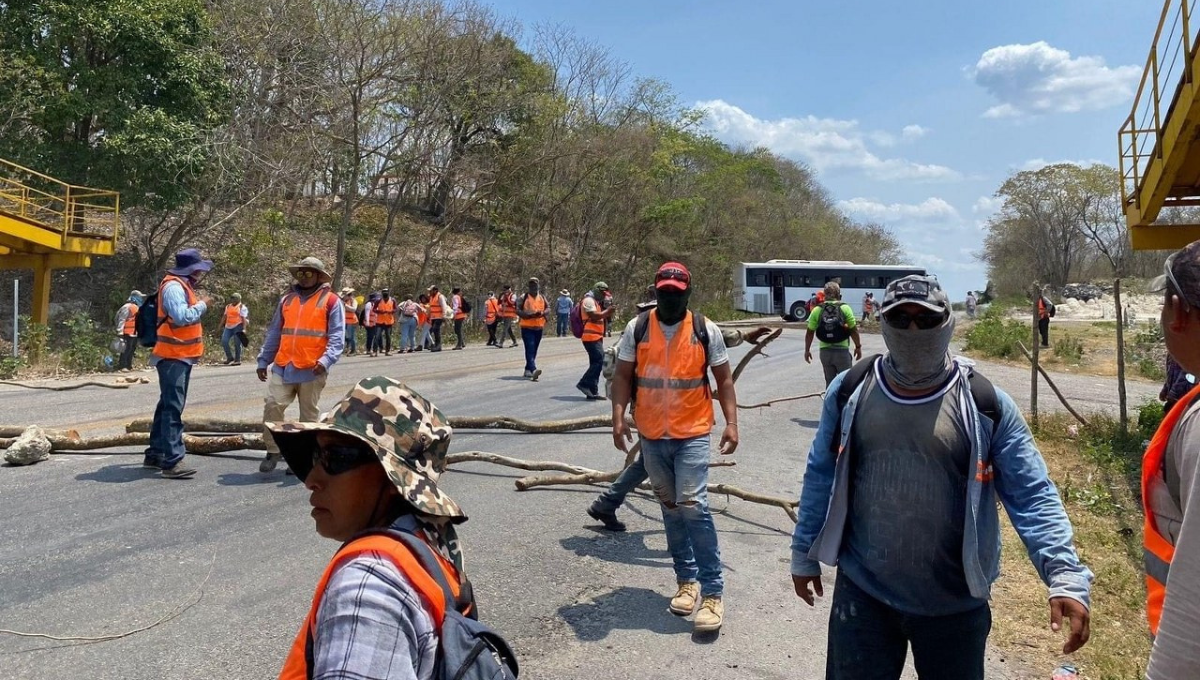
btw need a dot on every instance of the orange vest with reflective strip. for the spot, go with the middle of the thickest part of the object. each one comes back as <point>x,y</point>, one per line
<point>1157,548</point>
<point>436,311</point>
<point>351,314</point>
<point>305,330</point>
<point>460,314</point>
<point>298,664</point>
<point>174,341</point>
<point>508,306</point>
<point>492,310</point>
<point>130,325</point>
<point>673,397</point>
<point>233,315</point>
<point>593,325</point>
<point>385,312</point>
<point>534,303</point>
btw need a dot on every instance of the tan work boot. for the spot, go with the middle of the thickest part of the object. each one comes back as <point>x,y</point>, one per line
<point>684,602</point>
<point>708,619</point>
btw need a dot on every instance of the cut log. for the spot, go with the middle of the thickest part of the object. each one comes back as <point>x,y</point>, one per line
<point>196,445</point>
<point>457,422</point>
<point>16,432</point>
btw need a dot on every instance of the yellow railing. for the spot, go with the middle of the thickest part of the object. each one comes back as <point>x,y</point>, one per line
<point>1168,67</point>
<point>67,209</point>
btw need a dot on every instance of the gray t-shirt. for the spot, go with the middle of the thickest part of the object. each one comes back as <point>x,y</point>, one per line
<point>908,492</point>
<point>717,354</point>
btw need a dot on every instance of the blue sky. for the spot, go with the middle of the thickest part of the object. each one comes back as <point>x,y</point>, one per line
<point>911,114</point>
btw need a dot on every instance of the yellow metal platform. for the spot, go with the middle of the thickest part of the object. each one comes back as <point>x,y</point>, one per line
<point>46,224</point>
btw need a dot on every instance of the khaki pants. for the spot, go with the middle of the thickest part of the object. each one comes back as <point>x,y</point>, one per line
<point>280,395</point>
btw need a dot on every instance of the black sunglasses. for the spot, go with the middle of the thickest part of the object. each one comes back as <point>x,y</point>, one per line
<point>924,320</point>
<point>676,274</point>
<point>336,460</point>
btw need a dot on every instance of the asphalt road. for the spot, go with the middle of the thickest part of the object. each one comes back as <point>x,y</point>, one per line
<point>93,545</point>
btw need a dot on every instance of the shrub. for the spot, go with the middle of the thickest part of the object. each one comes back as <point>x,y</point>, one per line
<point>1150,414</point>
<point>1147,352</point>
<point>35,339</point>
<point>86,345</point>
<point>9,367</point>
<point>996,336</point>
<point>1068,348</point>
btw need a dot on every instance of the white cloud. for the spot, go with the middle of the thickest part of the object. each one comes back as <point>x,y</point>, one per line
<point>987,205</point>
<point>1037,78</point>
<point>931,209</point>
<point>912,132</point>
<point>823,143</point>
<point>1036,164</point>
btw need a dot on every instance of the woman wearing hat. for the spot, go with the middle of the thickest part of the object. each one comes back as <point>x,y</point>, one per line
<point>562,311</point>
<point>351,307</point>
<point>237,318</point>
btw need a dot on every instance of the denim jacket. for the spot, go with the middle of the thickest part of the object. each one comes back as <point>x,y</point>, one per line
<point>1009,466</point>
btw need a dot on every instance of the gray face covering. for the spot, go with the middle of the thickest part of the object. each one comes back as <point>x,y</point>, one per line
<point>918,359</point>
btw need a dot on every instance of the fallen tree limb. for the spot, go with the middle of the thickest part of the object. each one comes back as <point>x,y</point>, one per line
<point>201,446</point>
<point>457,422</point>
<point>587,476</point>
<point>64,388</point>
<point>18,431</point>
<point>758,349</point>
<point>780,401</point>
<point>1053,387</point>
<point>789,506</point>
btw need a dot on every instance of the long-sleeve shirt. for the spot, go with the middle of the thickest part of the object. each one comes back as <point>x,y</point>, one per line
<point>175,305</point>
<point>335,340</point>
<point>123,314</point>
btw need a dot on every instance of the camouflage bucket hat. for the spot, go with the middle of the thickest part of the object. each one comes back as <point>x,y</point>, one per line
<point>408,434</point>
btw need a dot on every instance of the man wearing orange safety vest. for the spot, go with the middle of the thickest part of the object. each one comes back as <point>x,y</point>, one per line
<point>179,344</point>
<point>385,318</point>
<point>439,311</point>
<point>302,343</point>
<point>236,319</point>
<point>533,310</point>
<point>593,339</point>
<point>666,370</point>
<point>508,315</point>
<point>127,328</point>
<point>491,317</point>
<point>351,306</point>
<point>459,308</point>
<point>1170,488</point>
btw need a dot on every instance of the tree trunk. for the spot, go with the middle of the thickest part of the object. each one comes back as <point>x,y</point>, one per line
<point>1121,396</point>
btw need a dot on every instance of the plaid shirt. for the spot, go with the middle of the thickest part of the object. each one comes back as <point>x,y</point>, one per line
<point>371,624</point>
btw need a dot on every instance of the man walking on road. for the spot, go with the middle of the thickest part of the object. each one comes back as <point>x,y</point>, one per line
<point>303,342</point>
<point>385,318</point>
<point>180,343</point>
<point>901,497</point>
<point>127,328</point>
<point>237,320</point>
<point>834,325</point>
<point>460,315</point>
<point>533,310</point>
<point>971,304</point>
<point>491,317</point>
<point>562,313</point>
<point>508,315</point>
<point>439,311</point>
<point>593,340</point>
<point>1171,487</point>
<point>668,367</point>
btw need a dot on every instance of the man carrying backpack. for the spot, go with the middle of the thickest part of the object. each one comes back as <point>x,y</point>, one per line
<point>127,329</point>
<point>833,323</point>
<point>593,339</point>
<point>674,416</point>
<point>394,601</point>
<point>912,453</point>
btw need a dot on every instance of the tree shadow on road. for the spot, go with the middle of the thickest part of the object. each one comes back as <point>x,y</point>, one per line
<point>118,474</point>
<point>256,479</point>
<point>624,609</point>
<point>626,548</point>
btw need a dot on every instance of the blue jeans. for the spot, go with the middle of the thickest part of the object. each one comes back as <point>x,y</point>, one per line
<point>562,327</point>
<point>591,379</point>
<point>678,471</point>
<point>350,338</point>
<point>166,434</point>
<point>627,481</point>
<point>869,640</point>
<point>532,338</point>
<point>229,339</point>
<point>408,332</point>
<point>370,338</point>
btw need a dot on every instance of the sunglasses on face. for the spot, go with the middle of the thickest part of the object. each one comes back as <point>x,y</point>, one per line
<point>1170,264</point>
<point>924,320</point>
<point>305,274</point>
<point>336,460</point>
<point>673,274</point>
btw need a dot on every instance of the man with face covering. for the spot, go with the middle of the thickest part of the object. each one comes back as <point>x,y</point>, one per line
<point>674,415</point>
<point>900,494</point>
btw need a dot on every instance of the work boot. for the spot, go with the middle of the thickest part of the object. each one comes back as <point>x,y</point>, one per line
<point>178,471</point>
<point>708,619</point>
<point>684,602</point>
<point>269,462</point>
<point>608,519</point>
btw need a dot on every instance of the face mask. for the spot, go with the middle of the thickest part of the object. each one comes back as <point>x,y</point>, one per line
<point>673,305</point>
<point>918,359</point>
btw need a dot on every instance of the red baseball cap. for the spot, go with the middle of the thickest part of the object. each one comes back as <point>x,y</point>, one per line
<point>673,275</point>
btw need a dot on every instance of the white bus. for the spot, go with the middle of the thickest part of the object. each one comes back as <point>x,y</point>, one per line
<point>783,287</point>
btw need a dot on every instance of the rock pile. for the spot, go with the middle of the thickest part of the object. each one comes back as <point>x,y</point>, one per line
<point>1082,291</point>
<point>31,447</point>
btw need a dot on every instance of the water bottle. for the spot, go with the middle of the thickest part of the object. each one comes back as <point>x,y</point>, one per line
<point>1065,672</point>
<point>108,361</point>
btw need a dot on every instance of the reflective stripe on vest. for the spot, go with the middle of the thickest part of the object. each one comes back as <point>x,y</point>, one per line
<point>593,326</point>
<point>1157,548</point>
<point>130,325</point>
<point>493,311</point>
<point>436,311</point>
<point>508,307</point>
<point>233,315</point>
<point>385,312</point>
<point>460,314</point>
<point>304,332</point>
<point>673,396</point>
<point>178,341</point>
<point>351,315</point>
<point>539,305</point>
<point>298,665</point>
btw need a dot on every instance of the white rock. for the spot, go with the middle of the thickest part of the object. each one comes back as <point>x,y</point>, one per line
<point>31,447</point>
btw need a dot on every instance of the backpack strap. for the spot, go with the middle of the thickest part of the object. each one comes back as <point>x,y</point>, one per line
<point>983,393</point>
<point>854,377</point>
<point>465,603</point>
<point>700,330</point>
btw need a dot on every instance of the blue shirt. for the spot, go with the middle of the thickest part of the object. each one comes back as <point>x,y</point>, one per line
<point>174,303</point>
<point>564,304</point>
<point>335,339</point>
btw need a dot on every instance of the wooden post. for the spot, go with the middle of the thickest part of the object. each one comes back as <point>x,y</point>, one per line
<point>1037,342</point>
<point>1121,398</point>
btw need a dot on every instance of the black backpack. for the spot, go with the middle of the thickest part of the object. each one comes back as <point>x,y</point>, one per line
<point>983,392</point>
<point>466,304</point>
<point>1049,307</point>
<point>146,324</point>
<point>831,325</point>
<point>467,649</point>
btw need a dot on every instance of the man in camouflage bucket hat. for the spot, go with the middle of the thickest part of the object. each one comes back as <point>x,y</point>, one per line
<point>373,463</point>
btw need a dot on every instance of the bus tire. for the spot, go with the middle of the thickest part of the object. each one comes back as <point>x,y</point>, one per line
<point>798,312</point>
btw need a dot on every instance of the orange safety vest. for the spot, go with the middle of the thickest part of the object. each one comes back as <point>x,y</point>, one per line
<point>233,315</point>
<point>593,325</point>
<point>385,312</point>
<point>296,667</point>
<point>1158,551</point>
<point>674,400</point>
<point>1042,314</point>
<point>436,311</point>
<point>130,325</point>
<point>176,341</point>
<point>508,306</point>
<point>491,311</point>
<point>460,314</point>
<point>369,315</point>
<point>539,305</point>
<point>422,314</point>
<point>351,314</point>
<point>305,329</point>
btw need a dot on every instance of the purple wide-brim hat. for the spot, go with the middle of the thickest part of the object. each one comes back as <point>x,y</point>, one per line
<point>189,261</point>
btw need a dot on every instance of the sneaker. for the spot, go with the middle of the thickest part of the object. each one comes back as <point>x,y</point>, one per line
<point>269,462</point>
<point>708,619</point>
<point>684,602</point>
<point>151,464</point>
<point>178,471</point>
<point>596,397</point>
<point>608,519</point>
<point>236,363</point>
<point>586,392</point>
<point>528,374</point>
<point>537,373</point>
